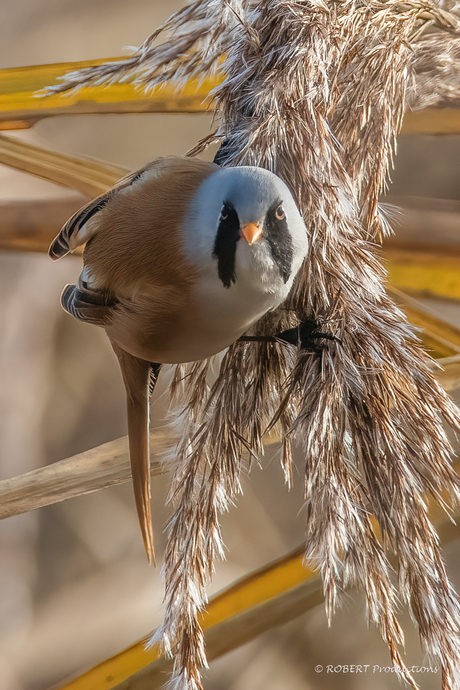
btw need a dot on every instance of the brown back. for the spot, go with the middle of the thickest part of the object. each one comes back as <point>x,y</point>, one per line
<point>137,238</point>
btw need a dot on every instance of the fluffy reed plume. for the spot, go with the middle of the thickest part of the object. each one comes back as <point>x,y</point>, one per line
<point>316,91</point>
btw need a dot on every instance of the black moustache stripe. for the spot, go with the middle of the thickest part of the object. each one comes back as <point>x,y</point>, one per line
<point>277,234</point>
<point>228,234</point>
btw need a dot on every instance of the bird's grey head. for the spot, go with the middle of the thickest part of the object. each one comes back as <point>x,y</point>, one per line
<point>247,218</point>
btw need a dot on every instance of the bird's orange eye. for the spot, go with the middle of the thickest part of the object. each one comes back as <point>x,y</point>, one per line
<point>279,213</point>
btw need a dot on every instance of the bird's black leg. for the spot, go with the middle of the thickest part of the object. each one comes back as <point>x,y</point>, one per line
<point>305,335</point>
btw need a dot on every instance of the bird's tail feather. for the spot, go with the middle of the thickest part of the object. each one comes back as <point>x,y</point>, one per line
<point>136,377</point>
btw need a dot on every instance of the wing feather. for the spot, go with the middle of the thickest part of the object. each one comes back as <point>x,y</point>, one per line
<point>129,237</point>
<point>75,232</point>
<point>87,304</point>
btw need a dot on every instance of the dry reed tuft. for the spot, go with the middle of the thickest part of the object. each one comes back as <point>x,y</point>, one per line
<point>316,92</point>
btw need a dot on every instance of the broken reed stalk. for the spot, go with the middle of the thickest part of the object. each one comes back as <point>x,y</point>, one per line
<point>94,469</point>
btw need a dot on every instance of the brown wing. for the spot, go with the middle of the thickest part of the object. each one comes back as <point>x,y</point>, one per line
<point>88,304</point>
<point>86,222</point>
<point>71,234</point>
<point>137,243</point>
<point>132,239</point>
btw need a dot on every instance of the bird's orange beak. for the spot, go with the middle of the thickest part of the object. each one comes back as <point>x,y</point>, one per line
<point>251,232</point>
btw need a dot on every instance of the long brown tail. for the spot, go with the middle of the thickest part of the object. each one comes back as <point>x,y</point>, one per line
<point>136,377</point>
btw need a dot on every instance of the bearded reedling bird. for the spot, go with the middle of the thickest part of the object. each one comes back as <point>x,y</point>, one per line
<point>181,258</point>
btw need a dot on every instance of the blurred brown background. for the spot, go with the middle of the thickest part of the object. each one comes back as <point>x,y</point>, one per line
<point>75,586</point>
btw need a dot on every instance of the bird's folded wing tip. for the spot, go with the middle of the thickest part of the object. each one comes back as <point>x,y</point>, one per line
<point>58,249</point>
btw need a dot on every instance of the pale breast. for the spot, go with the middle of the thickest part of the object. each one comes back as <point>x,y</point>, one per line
<point>170,325</point>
